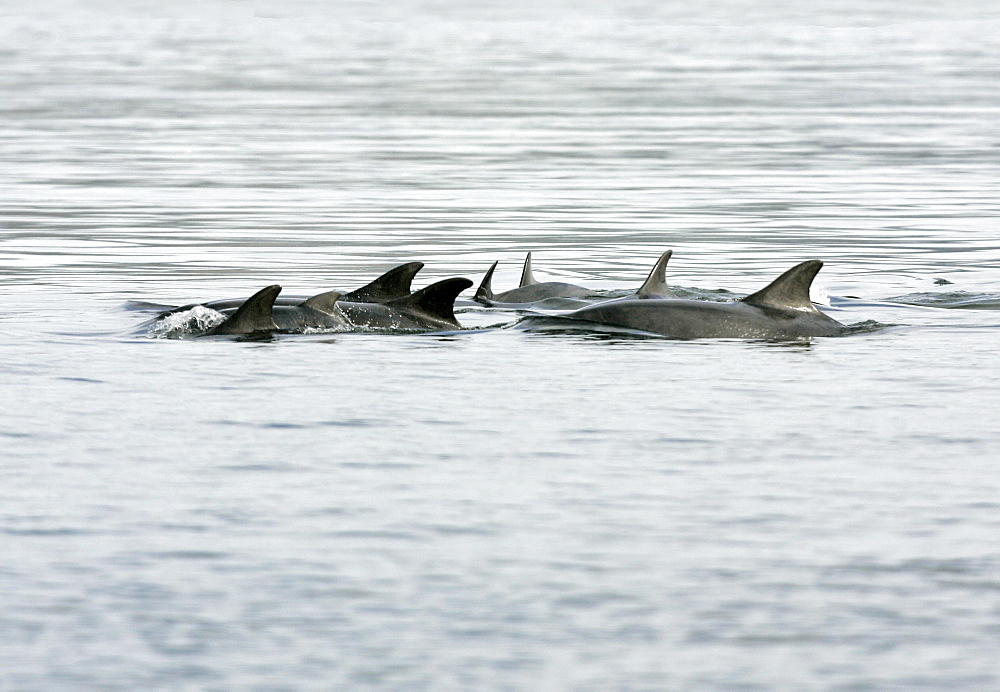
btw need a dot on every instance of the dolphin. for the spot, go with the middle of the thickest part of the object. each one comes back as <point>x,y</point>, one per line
<point>430,308</point>
<point>395,283</point>
<point>655,285</point>
<point>530,290</point>
<point>781,310</point>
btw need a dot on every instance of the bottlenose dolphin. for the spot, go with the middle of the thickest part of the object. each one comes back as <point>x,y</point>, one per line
<point>655,285</point>
<point>530,290</point>
<point>781,310</point>
<point>395,283</point>
<point>430,308</point>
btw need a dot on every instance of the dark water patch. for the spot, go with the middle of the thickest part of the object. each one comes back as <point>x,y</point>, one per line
<point>56,532</point>
<point>261,468</point>
<point>378,465</point>
<point>189,555</point>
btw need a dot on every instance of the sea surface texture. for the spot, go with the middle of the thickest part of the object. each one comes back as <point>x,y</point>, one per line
<point>513,505</point>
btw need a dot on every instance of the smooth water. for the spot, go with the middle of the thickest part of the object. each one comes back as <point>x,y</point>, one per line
<point>502,507</point>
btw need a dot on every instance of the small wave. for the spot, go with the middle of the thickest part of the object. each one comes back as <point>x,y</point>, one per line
<point>955,300</point>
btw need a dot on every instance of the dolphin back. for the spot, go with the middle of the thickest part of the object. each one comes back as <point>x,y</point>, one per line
<point>254,315</point>
<point>485,290</point>
<point>395,283</point>
<point>527,279</point>
<point>655,285</point>
<point>436,300</point>
<point>790,290</point>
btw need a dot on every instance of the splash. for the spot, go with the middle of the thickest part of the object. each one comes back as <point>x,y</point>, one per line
<point>197,320</point>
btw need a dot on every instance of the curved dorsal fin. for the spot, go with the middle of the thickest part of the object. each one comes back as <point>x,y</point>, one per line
<point>790,290</point>
<point>436,300</point>
<point>395,283</point>
<point>656,283</point>
<point>323,302</point>
<point>526,278</point>
<point>485,290</point>
<point>253,316</point>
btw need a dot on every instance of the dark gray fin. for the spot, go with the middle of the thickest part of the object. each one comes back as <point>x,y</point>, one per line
<point>526,278</point>
<point>436,300</point>
<point>395,283</point>
<point>790,290</point>
<point>485,290</point>
<point>253,316</point>
<point>324,302</point>
<point>656,283</point>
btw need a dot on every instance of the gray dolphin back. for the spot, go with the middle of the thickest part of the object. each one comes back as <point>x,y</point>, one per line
<point>436,300</point>
<point>655,285</point>
<point>790,290</point>
<point>485,290</point>
<point>526,277</point>
<point>254,315</point>
<point>323,302</point>
<point>395,283</point>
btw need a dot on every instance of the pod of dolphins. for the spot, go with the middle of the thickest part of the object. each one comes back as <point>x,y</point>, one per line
<point>780,310</point>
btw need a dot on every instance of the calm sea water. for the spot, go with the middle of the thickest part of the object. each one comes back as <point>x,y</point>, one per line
<point>502,507</point>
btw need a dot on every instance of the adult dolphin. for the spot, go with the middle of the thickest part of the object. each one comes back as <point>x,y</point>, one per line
<point>781,310</point>
<point>430,308</point>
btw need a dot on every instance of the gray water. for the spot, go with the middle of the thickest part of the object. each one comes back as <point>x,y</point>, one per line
<point>500,507</point>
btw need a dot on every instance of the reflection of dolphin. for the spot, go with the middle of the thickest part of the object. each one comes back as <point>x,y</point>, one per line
<point>530,291</point>
<point>429,308</point>
<point>395,283</point>
<point>781,310</point>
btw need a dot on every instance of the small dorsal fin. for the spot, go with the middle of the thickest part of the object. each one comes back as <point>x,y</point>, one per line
<point>323,302</point>
<point>526,278</point>
<point>656,284</point>
<point>485,290</point>
<point>253,316</point>
<point>436,300</point>
<point>790,290</point>
<point>395,283</point>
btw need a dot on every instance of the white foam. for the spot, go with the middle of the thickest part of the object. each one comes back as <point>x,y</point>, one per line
<point>194,321</point>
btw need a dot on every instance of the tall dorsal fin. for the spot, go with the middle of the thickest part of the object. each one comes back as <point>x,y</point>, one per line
<point>526,278</point>
<point>324,302</point>
<point>656,284</point>
<point>485,290</point>
<point>253,316</point>
<point>436,300</point>
<point>395,283</point>
<point>790,290</point>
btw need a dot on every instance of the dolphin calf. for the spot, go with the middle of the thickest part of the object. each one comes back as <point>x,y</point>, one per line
<point>395,283</point>
<point>781,310</point>
<point>430,308</point>
<point>530,290</point>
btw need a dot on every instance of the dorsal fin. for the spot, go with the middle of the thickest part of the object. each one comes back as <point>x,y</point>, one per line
<point>790,290</point>
<point>253,316</point>
<point>485,290</point>
<point>436,300</point>
<point>526,278</point>
<point>395,283</point>
<point>323,302</point>
<point>656,283</point>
